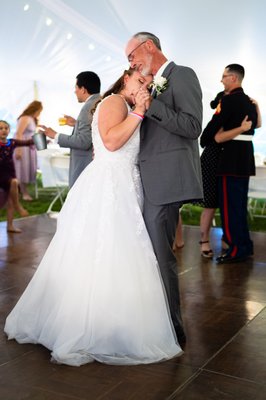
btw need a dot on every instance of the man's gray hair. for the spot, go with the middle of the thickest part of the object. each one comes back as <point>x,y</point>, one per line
<point>142,36</point>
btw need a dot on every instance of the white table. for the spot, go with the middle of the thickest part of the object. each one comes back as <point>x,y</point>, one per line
<point>47,170</point>
<point>54,166</point>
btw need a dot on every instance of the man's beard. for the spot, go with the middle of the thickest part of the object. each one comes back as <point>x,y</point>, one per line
<point>147,69</point>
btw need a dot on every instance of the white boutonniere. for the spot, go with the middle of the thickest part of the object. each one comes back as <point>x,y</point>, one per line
<point>159,85</point>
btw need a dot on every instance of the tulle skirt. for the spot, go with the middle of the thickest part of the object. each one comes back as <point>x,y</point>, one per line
<point>97,293</point>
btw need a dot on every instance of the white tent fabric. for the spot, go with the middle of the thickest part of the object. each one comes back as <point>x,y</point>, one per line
<point>46,43</point>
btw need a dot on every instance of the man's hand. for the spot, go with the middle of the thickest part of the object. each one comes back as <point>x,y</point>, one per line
<point>47,131</point>
<point>70,121</point>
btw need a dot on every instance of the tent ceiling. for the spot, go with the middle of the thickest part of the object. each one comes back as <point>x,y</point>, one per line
<point>91,35</point>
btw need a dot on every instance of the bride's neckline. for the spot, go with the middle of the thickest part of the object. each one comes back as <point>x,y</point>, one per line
<point>123,97</point>
<point>125,100</point>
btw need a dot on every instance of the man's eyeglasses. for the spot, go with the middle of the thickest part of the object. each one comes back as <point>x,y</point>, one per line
<point>130,56</point>
<point>226,75</point>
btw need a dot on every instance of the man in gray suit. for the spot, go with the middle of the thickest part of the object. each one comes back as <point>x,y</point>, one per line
<point>87,90</point>
<point>169,154</point>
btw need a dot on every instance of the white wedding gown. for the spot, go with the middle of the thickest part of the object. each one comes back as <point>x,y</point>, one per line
<point>97,293</point>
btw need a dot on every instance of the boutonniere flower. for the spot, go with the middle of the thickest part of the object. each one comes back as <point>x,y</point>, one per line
<point>159,85</point>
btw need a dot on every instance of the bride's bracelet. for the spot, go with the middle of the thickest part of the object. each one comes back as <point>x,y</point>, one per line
<point>137,115</point>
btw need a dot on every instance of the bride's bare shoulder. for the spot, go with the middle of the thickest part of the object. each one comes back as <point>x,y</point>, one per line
<point>114,101</point>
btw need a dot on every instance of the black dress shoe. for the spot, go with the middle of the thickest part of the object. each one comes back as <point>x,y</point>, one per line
<point>227,259</point>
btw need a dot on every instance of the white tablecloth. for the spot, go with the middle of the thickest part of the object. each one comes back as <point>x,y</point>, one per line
<point>44,157</point>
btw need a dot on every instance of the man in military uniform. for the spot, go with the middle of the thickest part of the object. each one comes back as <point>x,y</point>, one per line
<point>236,165</point>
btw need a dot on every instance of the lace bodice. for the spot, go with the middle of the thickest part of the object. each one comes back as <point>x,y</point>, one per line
<point>126,154</point>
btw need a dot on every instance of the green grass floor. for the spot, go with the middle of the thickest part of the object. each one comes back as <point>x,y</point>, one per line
<point>190,213</point>
<point>191,216</point>
<point>40,204</point>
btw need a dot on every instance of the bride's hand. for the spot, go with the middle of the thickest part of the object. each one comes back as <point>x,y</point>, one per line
<point>245,124</point>
<point>142,100</point>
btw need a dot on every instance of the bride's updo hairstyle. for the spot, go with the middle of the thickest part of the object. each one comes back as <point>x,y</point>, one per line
<point>115,88</point>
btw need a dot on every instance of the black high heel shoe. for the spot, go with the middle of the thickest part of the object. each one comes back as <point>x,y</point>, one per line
<point>206,253</point>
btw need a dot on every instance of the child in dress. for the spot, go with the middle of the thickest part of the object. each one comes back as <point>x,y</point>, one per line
<point>8,181</point>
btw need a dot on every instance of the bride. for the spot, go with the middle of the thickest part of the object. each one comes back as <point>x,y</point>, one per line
<point>97,293</point>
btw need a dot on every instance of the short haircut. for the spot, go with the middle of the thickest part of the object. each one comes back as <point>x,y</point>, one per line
<point>237,69</point>
<point>90,81</point>
<point>146,36</point>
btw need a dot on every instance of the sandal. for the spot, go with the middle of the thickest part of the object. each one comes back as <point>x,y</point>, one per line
<point>206,253</point>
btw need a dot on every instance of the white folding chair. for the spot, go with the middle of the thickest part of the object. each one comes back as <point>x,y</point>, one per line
<point>259,158</point>
<point>257,193</point>
<point>60,168</point>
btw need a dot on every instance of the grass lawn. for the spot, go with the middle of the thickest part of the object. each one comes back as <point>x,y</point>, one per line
<point>40,205</point>
<point>191,216</point>
<point>190,213</point>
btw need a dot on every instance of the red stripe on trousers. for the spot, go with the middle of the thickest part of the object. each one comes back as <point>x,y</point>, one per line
<point>226,217</point>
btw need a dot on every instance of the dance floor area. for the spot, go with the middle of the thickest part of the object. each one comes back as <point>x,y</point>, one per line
<point>224,312</point>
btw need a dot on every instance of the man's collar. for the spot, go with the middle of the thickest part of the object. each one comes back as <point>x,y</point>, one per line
<point>236,89</point>
<point>161,70</point>
<point>88,98</point>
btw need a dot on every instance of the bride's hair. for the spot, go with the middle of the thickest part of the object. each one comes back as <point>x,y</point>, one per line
<point>119,84</point>
<point>115,88</point>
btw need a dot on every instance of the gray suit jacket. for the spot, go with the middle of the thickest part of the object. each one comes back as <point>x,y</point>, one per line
<point>169,152</point>
<point>80,142</point>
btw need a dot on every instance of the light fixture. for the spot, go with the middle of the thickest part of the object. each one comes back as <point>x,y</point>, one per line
<point>48,21</point>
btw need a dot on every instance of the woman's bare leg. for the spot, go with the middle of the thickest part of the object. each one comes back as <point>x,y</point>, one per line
<point>24,191</point>
<point>206,218</point>
<point>178,242</point>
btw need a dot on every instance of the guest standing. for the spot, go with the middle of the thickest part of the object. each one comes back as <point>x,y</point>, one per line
<point>209,164</point>
<point>236,163</point>
<point>25,158</point>
<point>87,90</point>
